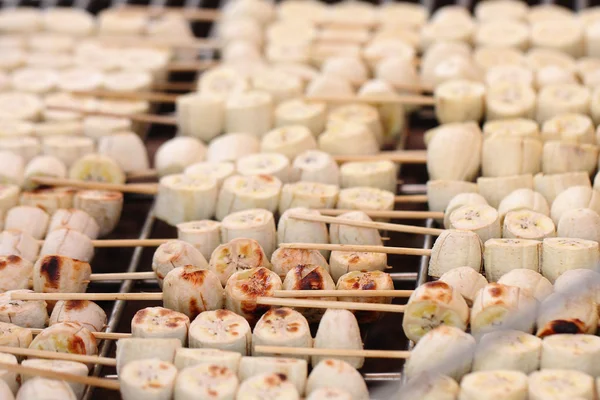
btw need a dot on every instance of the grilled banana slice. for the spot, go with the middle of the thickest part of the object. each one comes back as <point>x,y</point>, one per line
<point>523,199</point>
<point>25,147</point>
<point>581,223</point>
<point>560,99</point>
<point>60,274</point>
<point>445,154</point>
<point>267,386</point>
<point>379,174</point>
<point>550,186</point>
<point>174,254</point>
<point>133,349</point>
<point>557,383</point>
<point>200,115</point>
<point>243,287</point>
<point>453,249</point>
<point>206,380</point>
<point>499,307</point>
<point>441,192</point>
<point>69,367</point>
<point>337,374</point>
<point>492,384</point>
<point>83,312</point>
<point>572,198</point>
<point>573,352</point>
<point>579,283</point>
<point>285,260</point>
<point>68,243</point>
<point>15,273</point>
<point>46,389</point>
<point>43,166</point>
<point>298,112</point>
<point>219,170</point>
<point>309,277</point>
<point>571,127</point>
<point>560,157</point>
<point>293,369</point>
<point>459,101</point>
<point>240,193</point>
<point>159,322</point>
<point>12,335</point>
<point>150,379</point>
<point>282,327</point>
<point>256,224</point>
<point>75,219</point>
<point>68,149</point>
<point>358,114</point>
<point>495,189</point>
<point>326,338</point>
<point>127,149</point>
<point>511,155</point>
<point>508,350</point>
<point>184,198</point>
<point>348,138</point>
<point>231,146</point>
<point>97,168</point>
<point>174,155</point>
<point>345,234</point>
<point>205,235</point>
<point>104,207</point>
<point>31,220</point>
<point>27,314</point>
<point>289,140</point>
<point>365,198</point>
<point>274,164</point>
<point>237,255</point>
<point>481,219</point>
<point>291,230</point>
<point>49,199</point>
<point>565,313</point>
<point>526,224</point>
<point>18,243</point>
<point>342,262</point>
<point>446,349</point>
<point>466,280</point>
<point>9,197</point>
<point>365,280</point>
<point>461,200</point>
<point>221,329</point>
<point>250,112</point>
<point>66,337</point>
<point>431,305</point>
<point>562,254</point>
<point>316,166</point>
<point>529,281</point>
<point>504,255</point>
<point>185,358</point>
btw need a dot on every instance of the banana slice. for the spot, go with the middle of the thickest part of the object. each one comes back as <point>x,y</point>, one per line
<point>243,287</point>
<point>66,337</point>
<point>247,192</point>
<point>431,305</point>
<point>9,197</point>
<point>570,41</point>
<point>14,336</point>
<point>455,68</point>
<point>26,147</point>
<point>440,192</point>
<point>337,374</point>
<point>12,169</point>
<point>466,280</point>
<point>429,386</point>
<point>316,166</point>
<point>379,174</point>
<point>31,220</point>
<point>45,389</point>
<point>274,164</point>
<point>502,33</point>
<point>504,255</point>
<point>461,200</point>
<point>564,313</point>
<point>282,327</point>
<point>523,199</point>
<point>60,274</point>
<point>358,114</point>
<point>342,262</point>
<point>393,62</point>
<point>459,101</point>
<point>572,352</point>
<point>546,12</point>
<point>393,116</point>
<point>237,255</point>
<point>173,156</point>
<point>293,369</point>
<point>560,157</point>
<point>79,78</point>
<point>206,381</point>
<point>582,283</point>
<point>98,126</point>
<point>509,100</point>
<point>131,350</point>
<point>581,223</point>
<point>438,52</point>
<point>250,112</point>
<point>290,230</point>
<point>326,337</point>
<point>231,146</point>
<point>18,243</point>
<point>240,29</point>
<point>309,277</point>
<point>184,198</point>
<point>74,219</point>
<point>494,189</point>
<point>345,234</point>
<point>68,243</point>
<point>508,350</point>
<point>459,30</point>
<point>573,128</point>
<point>96,168</point>
<point>554,75</point>
<point>159,322</point>
<point>127,81</point>
<point>298,112</point>
<point>538,58</point>
<point>84,312</point>
<point>526,224</point>
<point>348,138</point>
<point>562,254</point>
<point>550,186</point>
<point>27,314</point>
<point>280,85</point>
<point>204,235</point>
<point>127,149</point>
<point>200,115</point>
<point>43,166</point>
<point>174,254</point>
<point>560,99</point>
<point>67,149</point>
<point>289,141</point>
<point>15,273</point>
<point>504,75</point>
<point>34,80</point>
<point>446,349</point>
<point>185,358</point>
<point>481,219</point>
<point>221,329</point>
<point>267,386</point>
<point>573,198</point>
<point>560,383</point>
<point>191,290</point>
<point>285,260</point>
<point>105,207</point>
<point>445,154</point>
<point>492,384</point>
<point>365,280</point>
<point>453,249</point>
<point>365,198</point>
<point>529,281</point>
<point>256,224</point>
<point>219,170</point>
<point>222,81</point>
<point>504,155</point>
<point>147,379</point>
<point>519,127</point>
<point>498,307</point>
<point>69,367</point>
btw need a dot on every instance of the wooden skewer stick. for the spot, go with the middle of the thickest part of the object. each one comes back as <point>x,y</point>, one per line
<point>411,198</point>
<point>97,335</point>
<point>148,96</point>
<point>191,44</point>
<point>53,355</point>
<point>338,305</point>
<point>124,243</point>
<point>398,156</point>
<point>88,296</point>
<point>122,276</point>
<point>63,376</point>
<point>284,294</point>
<point>367,224</point>
<point>146,118</point>
<point>175,86</point>
<point>408,99</point>
<point>139,188</point>
<point>409,251</point>
<point>313,351</point>
<point>386,214</point>
<point>191,14</point>
<point>191,66</point>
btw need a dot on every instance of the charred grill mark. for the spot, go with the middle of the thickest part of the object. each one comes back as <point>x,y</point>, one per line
<point>50,270</point>
<point>75,305</point>
<point>222,314</point>
<point>76,345</point>
<point>195,277</point>
<point>195,310</point>
<point>139,316</point>
<point>311,281</point>
<point>563,326</point>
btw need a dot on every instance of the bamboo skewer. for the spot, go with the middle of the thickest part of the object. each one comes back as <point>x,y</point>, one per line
<point>97,335</point>
<point>357,248</point>
<point>63,376</point>
<point>103,243</point>
<point>88,296</point>
<point>408,99</point>
<point>148,96</point>
<point>122,276</point>
<point>191,44</point>
<point>53,355</point>
<point>313,351</point>
<point>284,294</point>
<point>175,86</point>
<point>145,118</point>
<point>139,188</point>
<point>191,66</point>
<point>386,214</point>
<point>329,304</point>
<point>368,224</point>
<point>398,156</point>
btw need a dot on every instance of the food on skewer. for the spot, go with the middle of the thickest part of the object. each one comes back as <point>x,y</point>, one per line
<point>221,329</point>
<point>455,248</point>
<point>254,224</point>
<point>528,281</point>
<point>189,357</point>
<point>565,313</point>
<point>246,192</point>
<point>285,260</point>
<point>282,327</point>
<point>15,273</point>
<point>84,312</point>
<point>327,338</point>
<point>70,367</point>
<point>581,223</point>
<point>337,374</point>
<point>574,197</point>
<point>365,280</point>
<point>466,280</point>
<point>74,219</point>
<point>14,336</point>
<point>66,337</point>
<point>27,314</point>
<point>562,254</point>
<point>294,369</point>
<point>68,243</point>
<point>569,351</point>
<point>243,287</point>
<point>159,322</point>
<point>137,349</point>
<point>274,164</point>
<point>10,378</point>
<point>173,254</point>
<point>45,389</point>
<point>147,379</point>
<point>31,220</point>
<point>55,273</point>
<point>237,255</point>
<point>508,350</point>
<point>309,277</point>
<point>267,385</point>
<point>95,167</point>
<point>105,207</point>
<point>342,262</point>
<point>307,194</point>
<point>206,381</point>
<point>290,230</point>
<point>573,384</point>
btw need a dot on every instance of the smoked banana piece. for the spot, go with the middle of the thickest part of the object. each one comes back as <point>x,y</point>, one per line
<point>83,312</point>
<point>508,350</point>
<point>247,192</point>
<point>66,337</point>
<point>69,367</point>
<point>309,277</point>
<point>466,280</point>
<point>290,140</point>
<point>504,155</point>
<point>206,381</point>
<point>562,98</point>
<point>45,389</point>
<point>274,386</point>
<point>365,280</point>
<point>136,349</point>
<point>565,313</point>
<point>560,157</point>
<point>173,254</point>
<point>221,329</point>
<point>345,234</point>
<point>232,146</point>
<point>74,219</point>
<point>188,357</point>
<point>20,244</point>
<point>573,352</point>
<point>68,243</point>
<point>342,262</point>
<point>31,220</point>
<point>105,207</point>
<point>159,322</point>
<point>316,166</point>
<point>237,255</point>
<point>282,327</point>
<point>337,374</point>
<point>486,385</point>
<point>380,175</point>
<point>285,260</point>
<point>560,383</point>
<point>150,379</point>
<point>290,230</point>
<point>15,273</point>
<point>461,200</point>
<point>327,338</point>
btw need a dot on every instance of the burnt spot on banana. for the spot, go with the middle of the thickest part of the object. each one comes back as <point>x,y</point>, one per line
<point>50,270</point>
<point>258,283</point>
<point>5,261</point>
<point>437,291</point>
<point>253,311</point>
<point>194,276</point>
<point>140,316</point>
<point>195,309</point>
<point>73,305</point>
<point>216,371</point>
<point>76,345</point>
<point>312,280</point>
<point>222,314</point>
<point>274,380</point>
<point>571,326</point>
